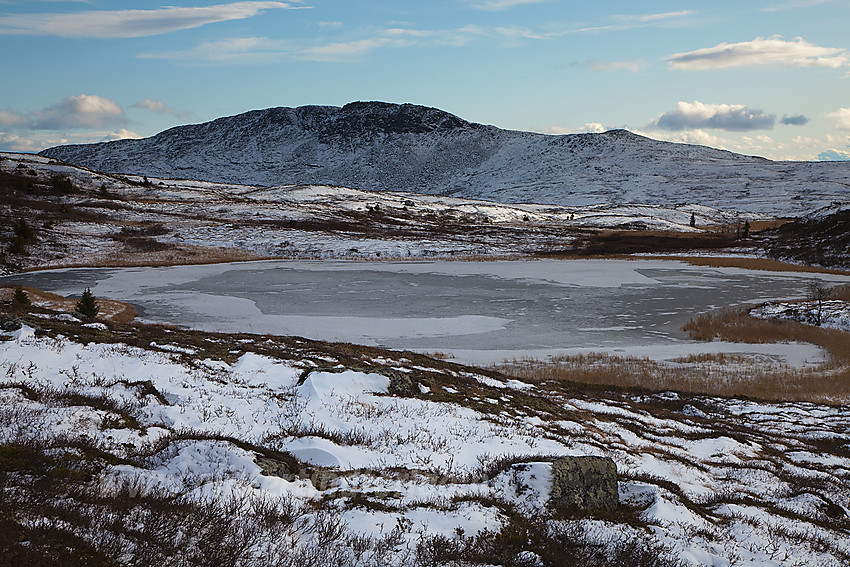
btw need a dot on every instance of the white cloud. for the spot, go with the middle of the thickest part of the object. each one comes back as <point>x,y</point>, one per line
<point>9,118</point>
<point>589,127</point>
<point>698,137</point>
<point>343,50</point>
<point>230,50</point>
<point>794,5</point>
<point>842,117</point>
<point>651,18</point>
<point>494,5</point>
<point>131,23</point>
<point>771,51</point>
<point>329,25</point>
<point>730,117</point>
<point>155,106</point>
<point>633,66</point>
<point>16,143</point>
<point>262,49</point>
<point>81,111</point>
<point>121,134</point>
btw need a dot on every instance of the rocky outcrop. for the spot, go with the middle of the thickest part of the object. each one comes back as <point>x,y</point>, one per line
<point>584,483</point>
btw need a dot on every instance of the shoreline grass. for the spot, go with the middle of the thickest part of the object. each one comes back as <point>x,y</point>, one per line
<point>714,374</point>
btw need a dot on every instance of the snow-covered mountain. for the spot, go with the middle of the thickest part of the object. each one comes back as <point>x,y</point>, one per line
<point>389,147</point>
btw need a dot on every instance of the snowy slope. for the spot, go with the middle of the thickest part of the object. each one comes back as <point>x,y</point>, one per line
<point>717,481</point>
<point>388,147</point>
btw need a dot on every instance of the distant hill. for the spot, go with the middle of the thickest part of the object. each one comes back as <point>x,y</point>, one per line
<point>390,147</point>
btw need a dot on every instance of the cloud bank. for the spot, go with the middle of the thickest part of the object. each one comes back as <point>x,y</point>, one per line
<point>730,117</point>
<point>842,118</point>
<point>103,24</point>
<point>771,51</point>
<point>73,112</point>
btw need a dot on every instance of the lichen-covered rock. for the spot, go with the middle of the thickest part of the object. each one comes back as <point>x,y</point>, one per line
<point>401,385</point>
<point>275,467</point>
<point>584,483</point>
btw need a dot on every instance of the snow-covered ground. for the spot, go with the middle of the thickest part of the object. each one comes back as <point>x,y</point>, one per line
<point>830,313</point>
<point>193,221</point>
<point>719,481</point>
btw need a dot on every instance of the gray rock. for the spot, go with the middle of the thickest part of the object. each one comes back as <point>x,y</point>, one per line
<point>584,483</point>
<point>10,323</point>
<point>401,384</point>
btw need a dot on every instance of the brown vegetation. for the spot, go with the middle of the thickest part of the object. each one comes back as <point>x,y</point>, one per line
<point>763,264</point>
<point>736,325</point>
<point>178,255</point>
<point>641,241</point>
<point>720,374</point>
<point>109,309</point>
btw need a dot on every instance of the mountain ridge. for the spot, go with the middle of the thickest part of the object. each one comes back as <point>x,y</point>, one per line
<point>378,146</point>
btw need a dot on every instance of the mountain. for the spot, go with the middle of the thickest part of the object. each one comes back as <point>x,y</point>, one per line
<point>379,146</point>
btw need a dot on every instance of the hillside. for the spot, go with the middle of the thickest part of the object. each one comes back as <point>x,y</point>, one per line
<point>146,445</point>
<point>822,238</point>
<point>388,147</point>
<point>55,214</point>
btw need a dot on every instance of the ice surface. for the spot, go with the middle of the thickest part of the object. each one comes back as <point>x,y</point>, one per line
<point>480,312</point>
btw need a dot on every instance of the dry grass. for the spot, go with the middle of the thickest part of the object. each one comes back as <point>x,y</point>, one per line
<point>772,382</point>
<point>720,374</point>
<point>109,309</point>
<point>174,256</point>
<point>736,325</point>
<point>763,264</point>
<point>841,292</point>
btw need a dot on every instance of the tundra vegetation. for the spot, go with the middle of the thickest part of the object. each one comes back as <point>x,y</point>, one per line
<point>197,462</point>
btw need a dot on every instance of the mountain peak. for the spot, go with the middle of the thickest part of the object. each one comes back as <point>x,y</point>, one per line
<point>380,146</point>
<point>390,118</point>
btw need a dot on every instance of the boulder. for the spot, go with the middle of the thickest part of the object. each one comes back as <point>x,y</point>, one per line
<point>584,483</point>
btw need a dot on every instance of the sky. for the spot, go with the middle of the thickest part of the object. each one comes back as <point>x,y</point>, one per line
<point>759,77</point>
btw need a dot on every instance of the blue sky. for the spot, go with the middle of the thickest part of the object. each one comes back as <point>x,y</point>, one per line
<point>762,77</point>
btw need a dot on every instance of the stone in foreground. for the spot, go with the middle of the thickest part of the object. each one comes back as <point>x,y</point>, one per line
<point>584,483</point>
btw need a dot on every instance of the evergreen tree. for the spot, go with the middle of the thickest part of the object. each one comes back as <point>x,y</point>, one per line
<point>693,220</point>
<point>21,297</point>
<point>86,305</point>
<point>746,233</point>
<point>24,230</point>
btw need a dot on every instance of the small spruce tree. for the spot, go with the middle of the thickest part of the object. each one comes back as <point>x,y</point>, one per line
<point>20,297</point>
<point>693,220</point>
<point>86,305</point>
<point>24,230</point>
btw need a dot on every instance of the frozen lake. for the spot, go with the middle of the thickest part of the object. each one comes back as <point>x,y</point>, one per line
<point>479,311</point>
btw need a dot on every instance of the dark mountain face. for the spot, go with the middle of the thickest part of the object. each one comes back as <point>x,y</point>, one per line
<point>822,239</point>
<point>380,146</point>
<point>355,118</point>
